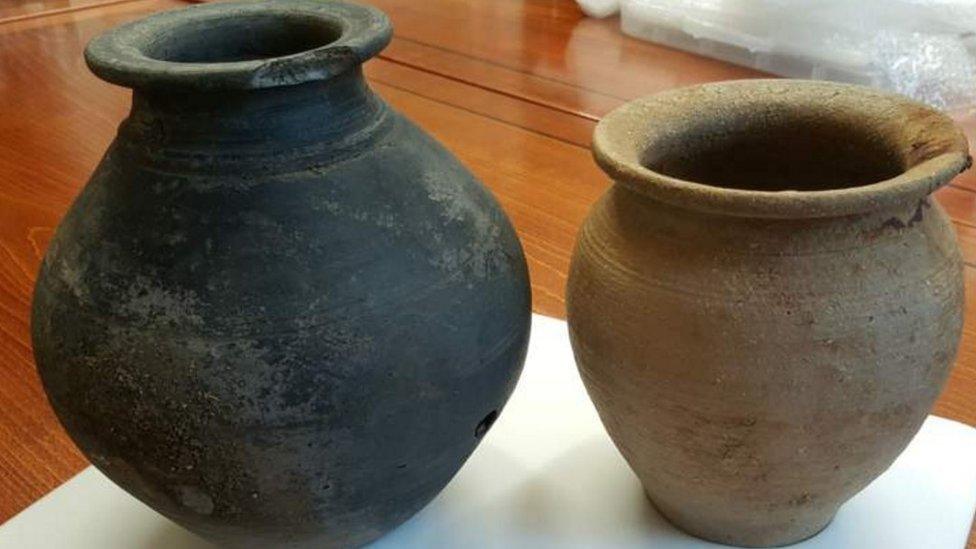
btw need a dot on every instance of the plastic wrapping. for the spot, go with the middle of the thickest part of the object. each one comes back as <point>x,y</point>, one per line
<point>925,49</point>
<point>599,8</point>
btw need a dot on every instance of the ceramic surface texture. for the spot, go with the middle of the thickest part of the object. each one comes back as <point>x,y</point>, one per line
<point>766,303</point>
<point>279,313</point>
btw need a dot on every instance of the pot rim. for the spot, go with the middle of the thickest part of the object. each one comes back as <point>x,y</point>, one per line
<point>124,55</point>
<point>932,148</point>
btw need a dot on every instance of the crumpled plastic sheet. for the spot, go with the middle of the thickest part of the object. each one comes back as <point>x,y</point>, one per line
<point>925,49</point>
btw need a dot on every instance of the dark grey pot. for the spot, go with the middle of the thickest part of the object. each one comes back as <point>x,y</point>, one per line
<point>279,313</point>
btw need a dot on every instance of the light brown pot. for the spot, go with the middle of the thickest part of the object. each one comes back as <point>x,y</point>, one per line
<point>766,304</point>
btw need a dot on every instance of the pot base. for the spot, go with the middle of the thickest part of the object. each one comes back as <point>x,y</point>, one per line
<point>728,530</point>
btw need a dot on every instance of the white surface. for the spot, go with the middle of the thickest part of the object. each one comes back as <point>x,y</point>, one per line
<point>548,476</point>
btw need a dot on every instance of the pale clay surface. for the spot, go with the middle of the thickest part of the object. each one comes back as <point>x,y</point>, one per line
<point>759,367</point>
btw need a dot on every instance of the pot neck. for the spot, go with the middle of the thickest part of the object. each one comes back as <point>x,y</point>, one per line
<point>254,83</point>
<point>781,149</point>
<point>256,121</point>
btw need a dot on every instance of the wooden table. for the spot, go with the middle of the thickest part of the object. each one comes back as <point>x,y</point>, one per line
<point>512,87</point>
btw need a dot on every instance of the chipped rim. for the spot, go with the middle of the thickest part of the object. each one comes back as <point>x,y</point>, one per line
<point>622,139</point>
<point>120,55</point>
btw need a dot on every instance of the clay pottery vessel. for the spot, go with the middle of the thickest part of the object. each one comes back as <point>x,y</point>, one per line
<point>766,303</point>
<point>279,313</point>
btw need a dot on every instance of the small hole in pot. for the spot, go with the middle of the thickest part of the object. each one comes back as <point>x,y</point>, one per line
<point>241,38</point>
<point>777,149</point>
<point>485,424</point>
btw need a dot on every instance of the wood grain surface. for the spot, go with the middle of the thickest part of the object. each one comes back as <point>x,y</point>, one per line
<point>15,10</point>
<point>512,87</point>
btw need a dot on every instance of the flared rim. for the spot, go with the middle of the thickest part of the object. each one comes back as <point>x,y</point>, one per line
<point>128,55</point>
<point>929,146</point>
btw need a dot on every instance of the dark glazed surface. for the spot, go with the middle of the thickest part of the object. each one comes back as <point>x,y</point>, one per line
<point>280,315</point>
<point>759,366</point>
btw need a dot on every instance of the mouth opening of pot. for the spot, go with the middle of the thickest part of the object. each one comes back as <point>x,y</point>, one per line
<point>243,38</point>
<point>240,45</point>
<point>777,150</point>
<point>780,148</point>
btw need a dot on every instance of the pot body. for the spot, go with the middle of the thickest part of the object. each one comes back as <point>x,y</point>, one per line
<point>282,316</point>
<point>756,373</point>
